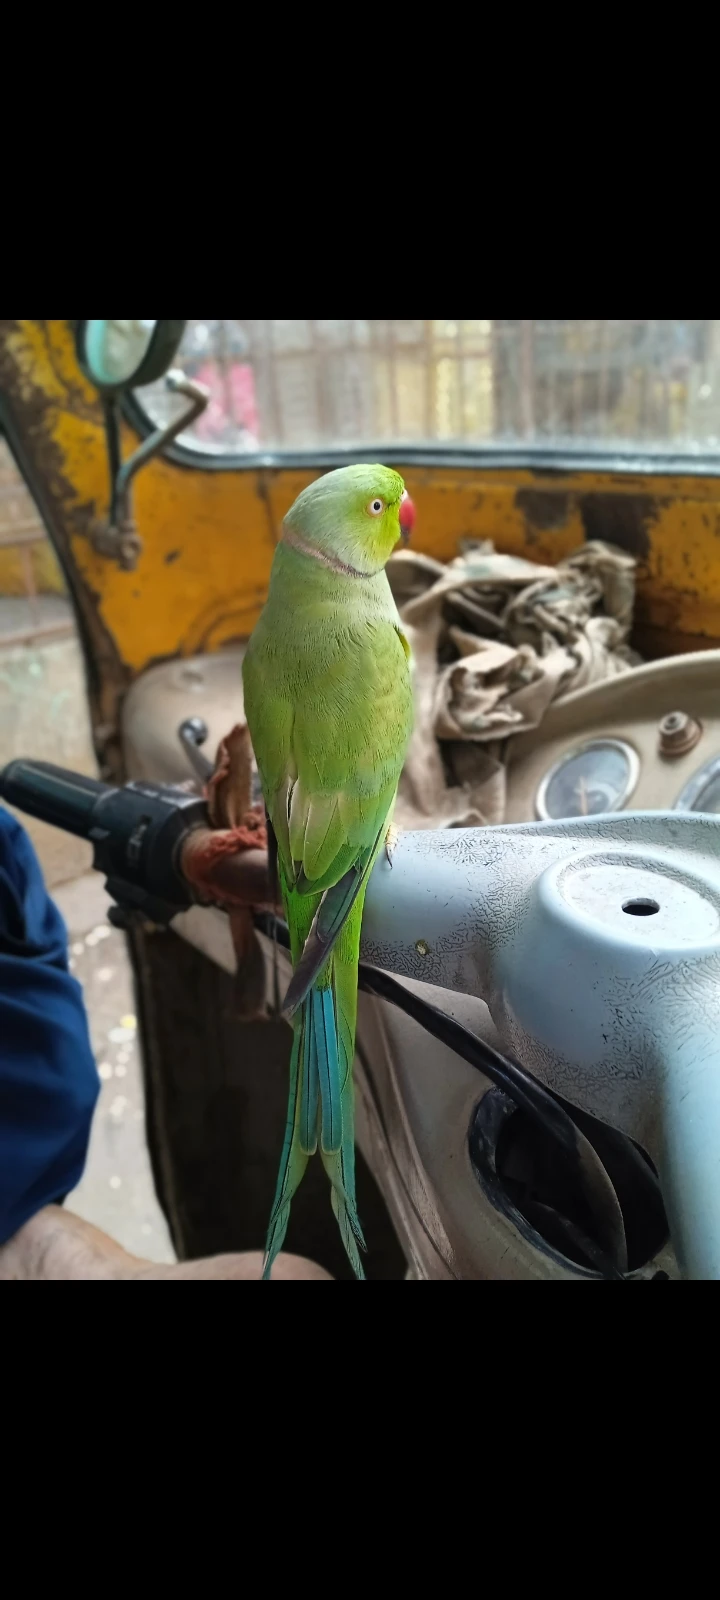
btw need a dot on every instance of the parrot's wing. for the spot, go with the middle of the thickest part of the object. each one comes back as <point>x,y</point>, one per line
<point>349,736</point>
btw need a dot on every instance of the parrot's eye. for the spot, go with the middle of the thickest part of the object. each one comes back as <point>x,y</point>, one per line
<point>376,508</point>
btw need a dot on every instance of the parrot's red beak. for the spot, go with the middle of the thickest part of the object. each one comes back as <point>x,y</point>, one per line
<point>407,516</point>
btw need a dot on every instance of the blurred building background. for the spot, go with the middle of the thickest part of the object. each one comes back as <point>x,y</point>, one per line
<point>602,385</point>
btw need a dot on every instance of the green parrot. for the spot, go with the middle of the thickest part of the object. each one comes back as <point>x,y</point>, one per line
<point>328,702</point>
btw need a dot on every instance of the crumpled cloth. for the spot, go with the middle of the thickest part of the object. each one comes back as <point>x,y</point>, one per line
<point>495,640</point>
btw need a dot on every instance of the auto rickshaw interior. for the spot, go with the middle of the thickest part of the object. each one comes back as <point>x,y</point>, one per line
<point>163,457</point>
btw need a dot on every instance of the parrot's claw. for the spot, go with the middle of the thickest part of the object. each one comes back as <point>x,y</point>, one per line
<point>391,842</point>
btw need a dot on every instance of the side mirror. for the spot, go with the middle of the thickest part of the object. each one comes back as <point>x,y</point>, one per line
<point>117,357</point>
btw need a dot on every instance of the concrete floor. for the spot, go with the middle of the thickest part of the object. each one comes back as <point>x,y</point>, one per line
<point>16,612</point>
<point>116,1192</point>
<point>44,713</point>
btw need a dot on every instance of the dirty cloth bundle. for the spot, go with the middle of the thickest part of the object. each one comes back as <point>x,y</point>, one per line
<point>495,640</point>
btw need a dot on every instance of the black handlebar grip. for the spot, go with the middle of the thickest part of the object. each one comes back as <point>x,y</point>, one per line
<point>53,794</point>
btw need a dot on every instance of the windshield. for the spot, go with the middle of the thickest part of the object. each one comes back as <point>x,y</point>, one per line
<point>626,387</point>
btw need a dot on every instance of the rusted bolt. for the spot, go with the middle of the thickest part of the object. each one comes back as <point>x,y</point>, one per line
<point>678,733</point>
<point>121,543</point>
<point>129,545</point>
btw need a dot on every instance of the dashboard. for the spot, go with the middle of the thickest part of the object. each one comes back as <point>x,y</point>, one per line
<point>648,740</point>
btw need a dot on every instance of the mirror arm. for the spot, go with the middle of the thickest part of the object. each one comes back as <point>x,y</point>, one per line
<point>118,538</point>
<point>153,446</point>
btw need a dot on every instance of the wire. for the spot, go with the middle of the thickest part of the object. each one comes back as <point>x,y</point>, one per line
<point>528,1095</point>
<point>507,1074</point>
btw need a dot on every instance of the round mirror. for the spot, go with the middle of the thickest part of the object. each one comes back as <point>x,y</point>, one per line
<point>126,355</point>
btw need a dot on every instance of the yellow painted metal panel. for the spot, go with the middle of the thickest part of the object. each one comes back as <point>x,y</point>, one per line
<point>209,536</point>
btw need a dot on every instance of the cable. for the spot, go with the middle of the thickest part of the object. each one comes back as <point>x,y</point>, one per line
<point>529,1095</point>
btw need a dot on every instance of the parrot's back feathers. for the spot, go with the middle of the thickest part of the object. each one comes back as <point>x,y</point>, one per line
<point>337,904</point>
<point>328,922</point>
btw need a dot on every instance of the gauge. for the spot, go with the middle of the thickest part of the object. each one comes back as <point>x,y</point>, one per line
<point>702,791</point>
<point>591,779</point>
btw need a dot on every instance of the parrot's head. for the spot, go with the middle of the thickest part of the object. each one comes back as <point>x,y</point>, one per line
<point>354,516</point>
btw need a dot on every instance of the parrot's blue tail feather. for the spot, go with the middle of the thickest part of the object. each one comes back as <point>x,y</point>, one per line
<point>339,1162</point>
<point>310,1087</point>
<point>321,1110</point>
<point>325,1039</point>
<point>347,1233</point>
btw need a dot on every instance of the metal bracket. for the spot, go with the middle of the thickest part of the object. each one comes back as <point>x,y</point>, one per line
<point>118,537</point>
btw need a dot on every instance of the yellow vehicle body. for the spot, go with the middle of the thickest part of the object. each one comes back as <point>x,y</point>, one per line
<point>209,533</point>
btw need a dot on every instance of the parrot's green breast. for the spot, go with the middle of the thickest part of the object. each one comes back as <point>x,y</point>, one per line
<point>329,706</point>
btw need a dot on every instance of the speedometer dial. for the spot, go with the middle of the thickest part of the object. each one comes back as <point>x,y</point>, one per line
<point>702,792</point>
<point>590,780</point>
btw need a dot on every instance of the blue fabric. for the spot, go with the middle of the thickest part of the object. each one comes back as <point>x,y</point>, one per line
<point>48,1080</point>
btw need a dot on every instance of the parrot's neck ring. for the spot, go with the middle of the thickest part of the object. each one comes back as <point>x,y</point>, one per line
<point>296,542</point>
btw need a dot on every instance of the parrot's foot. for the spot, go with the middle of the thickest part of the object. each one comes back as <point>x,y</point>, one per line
<point>391,842</point>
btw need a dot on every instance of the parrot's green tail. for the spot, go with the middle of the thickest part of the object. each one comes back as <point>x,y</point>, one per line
<point>321,1102</point>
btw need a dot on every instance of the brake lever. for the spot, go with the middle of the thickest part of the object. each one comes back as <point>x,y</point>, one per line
<point>192,733</point>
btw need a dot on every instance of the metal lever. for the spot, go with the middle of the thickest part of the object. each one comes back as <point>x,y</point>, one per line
<point>177,383</point>
<point>192,733</point>
<point>118,537</point>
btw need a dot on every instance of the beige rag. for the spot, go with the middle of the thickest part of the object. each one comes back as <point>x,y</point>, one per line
<point>495,640</point>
